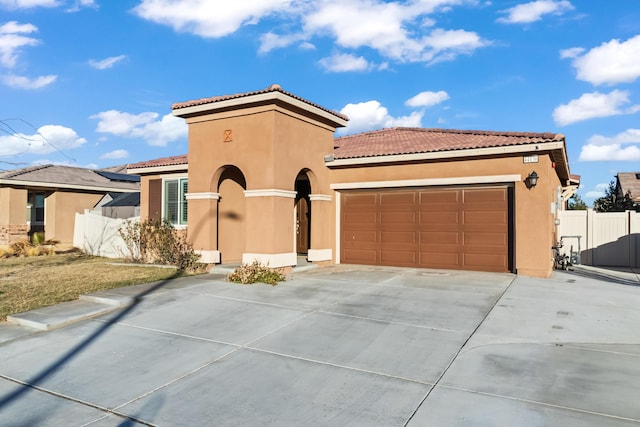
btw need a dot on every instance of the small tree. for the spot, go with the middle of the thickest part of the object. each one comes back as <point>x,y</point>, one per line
<point>612,202</point>
<point>576,203</point>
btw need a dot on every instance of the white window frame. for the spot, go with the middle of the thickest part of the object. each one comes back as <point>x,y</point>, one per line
<point>182,202</point>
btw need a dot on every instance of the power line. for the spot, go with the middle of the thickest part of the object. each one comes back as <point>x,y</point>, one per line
<point>18,135</point>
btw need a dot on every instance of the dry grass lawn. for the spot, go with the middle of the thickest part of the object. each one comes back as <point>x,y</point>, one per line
<point>35,282</point>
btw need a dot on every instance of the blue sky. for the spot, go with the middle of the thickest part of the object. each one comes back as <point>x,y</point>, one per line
<point>90,82</point>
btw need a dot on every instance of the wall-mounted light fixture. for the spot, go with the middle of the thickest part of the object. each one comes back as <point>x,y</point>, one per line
<point>532,180</point>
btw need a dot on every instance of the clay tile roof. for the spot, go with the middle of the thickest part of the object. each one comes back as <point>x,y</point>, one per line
<point>399,140</point>
<point>164,161</point>
<point>272,88</point>
<point>630,182</point>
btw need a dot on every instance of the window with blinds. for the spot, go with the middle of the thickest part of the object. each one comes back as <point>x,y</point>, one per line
<point>175,201</point>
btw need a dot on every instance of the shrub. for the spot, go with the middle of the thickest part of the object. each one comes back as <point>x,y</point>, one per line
<point>25,248</point>
<point>157,241</point>
<point>38,238</point>
<point>256,272</point>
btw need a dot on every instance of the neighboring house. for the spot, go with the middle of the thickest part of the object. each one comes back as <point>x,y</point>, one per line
<point>628,182</point>
<point>265,179</point>
<point>47,197</point>
<point>119,205</point>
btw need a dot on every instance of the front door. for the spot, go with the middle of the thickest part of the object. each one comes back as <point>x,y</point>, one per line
<point>302,226</point>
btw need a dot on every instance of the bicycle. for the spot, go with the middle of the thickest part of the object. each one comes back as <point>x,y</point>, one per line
<point>560,261</point>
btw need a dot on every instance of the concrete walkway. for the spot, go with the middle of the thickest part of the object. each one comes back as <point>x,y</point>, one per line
<point>340,345</point>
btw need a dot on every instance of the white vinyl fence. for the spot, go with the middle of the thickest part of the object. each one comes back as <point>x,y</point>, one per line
<point>98,235</point>
<point>606,238</point>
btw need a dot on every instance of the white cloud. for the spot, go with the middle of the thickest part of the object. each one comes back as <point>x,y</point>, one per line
<point>270,41</point>
<point>343,62</point>
<point>610,63</point>
<point>79,4</point>
<point>615,152</point>
<point>28,4</point>
<point>49,138</point>
<point>372,115</point>
<point>594,194</point>
<point>22,82</point>
<point>395,29</point>
<point>593,105</point>
<point>75,5</point>
<point>629,136</point>
<point>144,126</point>
<point>210,19</point>
<point>115,154</point>
<point>387,27</point>
<point>12,39</point>
<point>427,99</point>
<point>103,64</point>
<point>534,11</point>
<point>601,148</point>
<point>572,52</point>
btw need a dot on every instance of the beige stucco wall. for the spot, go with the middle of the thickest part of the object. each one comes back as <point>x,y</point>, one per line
<point>13,206</point>
<point>13,215</point>
<point>270,145</point>
<point>534,221</point>
<point>60,209</point>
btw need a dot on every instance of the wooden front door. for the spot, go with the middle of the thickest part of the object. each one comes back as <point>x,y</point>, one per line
<point>302,226</point>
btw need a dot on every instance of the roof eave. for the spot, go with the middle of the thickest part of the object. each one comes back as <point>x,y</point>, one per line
<point>268,97</point>
<point>435,155</point>
<point>55,185</point>
<point>183,167</point>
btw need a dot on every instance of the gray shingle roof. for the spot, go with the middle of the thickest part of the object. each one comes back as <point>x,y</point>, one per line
<point>53,175</point>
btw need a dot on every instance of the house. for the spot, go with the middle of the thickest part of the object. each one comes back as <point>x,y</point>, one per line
<point>628,182</point>
<point>119,205</point>
<point>265,179</point>
<point>45,199</point>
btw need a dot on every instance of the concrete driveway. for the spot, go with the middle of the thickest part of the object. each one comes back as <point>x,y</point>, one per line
<point>339,346</point>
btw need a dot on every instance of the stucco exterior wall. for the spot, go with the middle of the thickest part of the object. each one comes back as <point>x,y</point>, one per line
<point>13,206</point>
<point>269,145</point>
<point>13,215</point>
<point>534,226</point>
<point>60,210</point>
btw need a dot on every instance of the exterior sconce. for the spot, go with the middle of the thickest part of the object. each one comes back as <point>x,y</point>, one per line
<point>532,180</point>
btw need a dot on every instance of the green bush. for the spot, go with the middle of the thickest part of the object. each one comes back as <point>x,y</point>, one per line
<point>256,272</point>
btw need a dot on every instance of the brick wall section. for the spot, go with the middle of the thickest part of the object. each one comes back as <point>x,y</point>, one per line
<point>13,233</point>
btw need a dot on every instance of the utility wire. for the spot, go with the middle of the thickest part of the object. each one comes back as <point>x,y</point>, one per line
<point>18,135</point>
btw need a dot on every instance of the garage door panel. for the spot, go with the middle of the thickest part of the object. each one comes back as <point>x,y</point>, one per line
<point>485,239</point>
<point>484,195</point>
<point>439,217</point>
<point>455,228</point>
<point>484,261</point>
<point>361,256</point>
<point>398,198</point>
<point>361,236</point>
<point>360,218</point>
<point>400,258</point>
<point>404,237</point>
<point>392,218</point>
<point>484,217</point>
<point>435,197</point>
<point>440,259</point>
<point>440,237</point>
<point>362,199</point>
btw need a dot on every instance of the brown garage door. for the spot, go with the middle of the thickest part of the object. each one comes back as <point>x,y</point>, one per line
<point>452,228</point>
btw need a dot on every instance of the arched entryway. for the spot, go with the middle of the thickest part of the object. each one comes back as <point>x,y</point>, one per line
<point>232,214</point>
<point>303,213</point>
